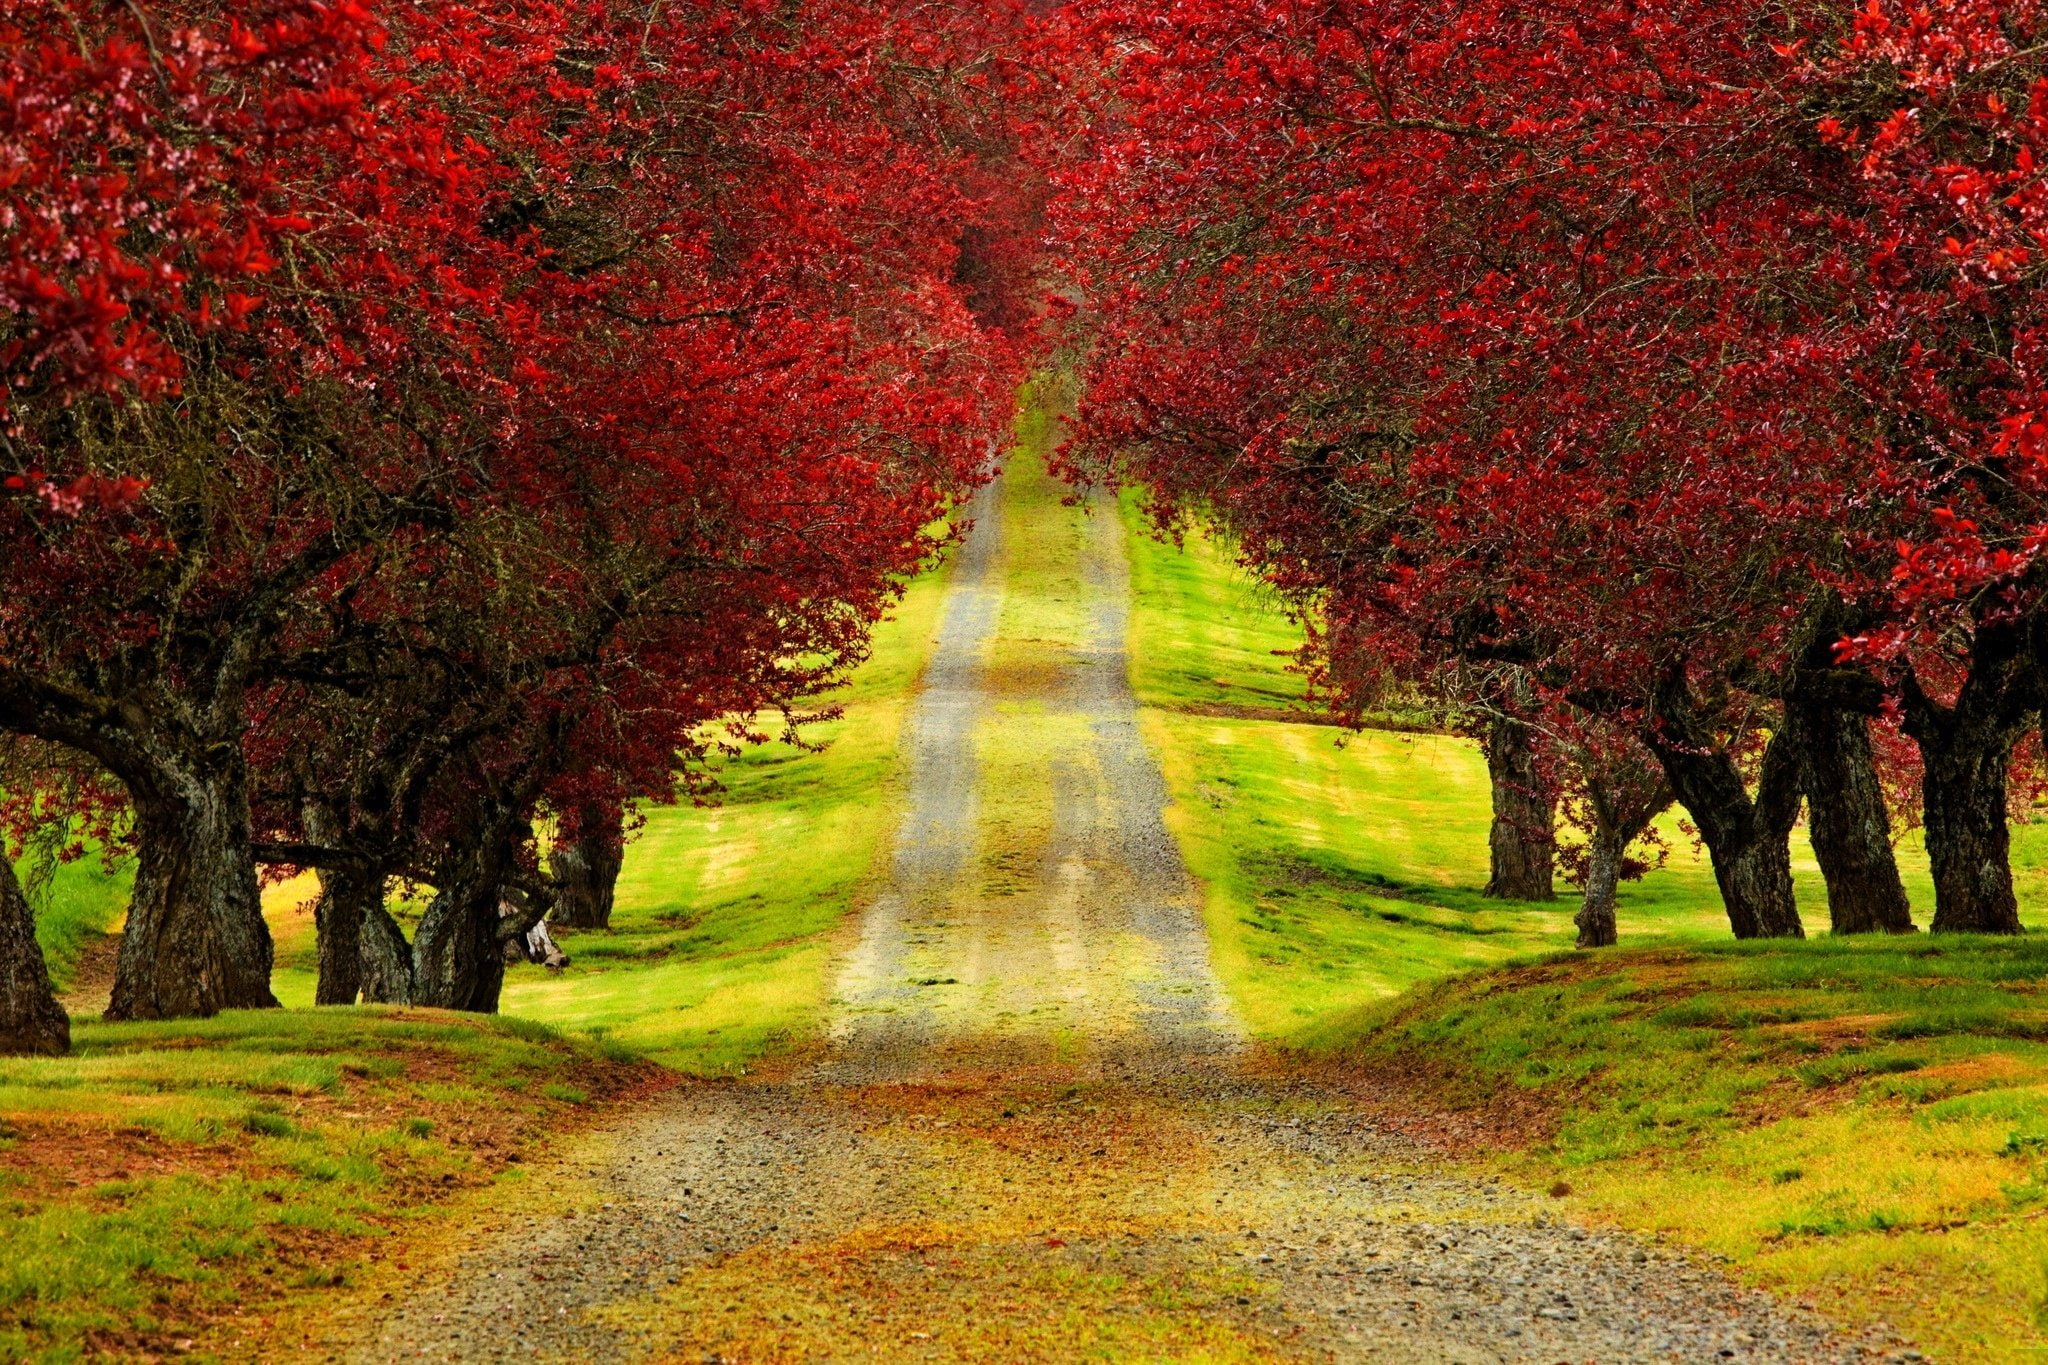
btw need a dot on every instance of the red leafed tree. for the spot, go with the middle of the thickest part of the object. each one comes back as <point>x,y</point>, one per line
<point>1521,335</point>
<point>1942,110</point>
<point>574,356</point>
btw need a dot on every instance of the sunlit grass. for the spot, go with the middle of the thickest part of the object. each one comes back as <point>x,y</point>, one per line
<point>1339,866</point>
<point>167,1171</point>
<point>84,899</point>
<point>1862,1122</point>
<point>720,949</point>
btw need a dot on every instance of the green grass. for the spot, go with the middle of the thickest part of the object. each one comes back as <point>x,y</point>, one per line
<point>1862,1122</point>
<point>722,939</point>
<point>165,1173</point>
<point>84,900</point>
<point>1343,867</point>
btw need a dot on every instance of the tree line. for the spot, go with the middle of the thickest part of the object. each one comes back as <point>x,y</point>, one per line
<point>427,431</point>
<point>1658,388</point>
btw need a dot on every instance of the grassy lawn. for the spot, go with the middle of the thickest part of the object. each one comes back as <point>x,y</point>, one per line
<point>1343,867</point>
<point>1864,1124</point>
<point>1861,1123</point>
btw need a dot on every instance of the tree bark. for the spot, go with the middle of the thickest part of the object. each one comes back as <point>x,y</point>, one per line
<point>1847,821</point>
<point>32,1023</point>
<point>586,871</point>
<point>1522,842</point>
<point>1965,758</point>
<point>386,958</point>
<point>195,941</point>
<point>458,952</point>
<point>1749,841</point>
<point>1965,753</point>
<point>1604,851</point>
<point>347,896</point>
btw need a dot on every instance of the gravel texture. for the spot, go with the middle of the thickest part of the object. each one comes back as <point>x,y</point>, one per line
<point>1035,1136</point>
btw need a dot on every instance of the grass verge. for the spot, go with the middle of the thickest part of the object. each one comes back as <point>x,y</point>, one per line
<point>1340,867</point>
<point>166,1176</point>
<point>1860,1123</point>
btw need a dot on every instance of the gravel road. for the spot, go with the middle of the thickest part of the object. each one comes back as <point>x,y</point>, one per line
<point>1036,1134</point>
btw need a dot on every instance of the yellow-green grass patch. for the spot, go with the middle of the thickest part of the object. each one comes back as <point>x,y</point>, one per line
<point>168,1175</point>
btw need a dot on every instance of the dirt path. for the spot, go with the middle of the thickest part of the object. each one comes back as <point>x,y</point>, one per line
<point>1036,1134</point>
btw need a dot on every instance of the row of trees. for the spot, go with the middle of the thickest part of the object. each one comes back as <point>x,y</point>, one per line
<point>423,426</point>
<point>1659,384</point>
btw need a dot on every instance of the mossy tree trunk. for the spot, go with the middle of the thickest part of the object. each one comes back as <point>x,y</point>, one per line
<point>586,870</point>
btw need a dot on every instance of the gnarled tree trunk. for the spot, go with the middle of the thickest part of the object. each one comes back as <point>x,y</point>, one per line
<point>458,952</point>
<point>195,941</point>
<point>458,960</point>
<point>31,1020</point>
<point>1522,842</point>
<point>347,894</point>
<point>1847,821</point>
<point>1749,841</point>
<point>1965,752</point>
<point>586,871</point>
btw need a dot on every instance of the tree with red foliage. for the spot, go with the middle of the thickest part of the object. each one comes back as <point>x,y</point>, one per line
<point>1943,112</point>
<point>635,326</point>
<point>1512,334</point>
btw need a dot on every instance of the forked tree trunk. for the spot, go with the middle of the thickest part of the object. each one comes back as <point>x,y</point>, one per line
<point>1749,841</point>
<point>1965,752</point>
<point>31,1020</point>
<point>586,871</point>
<point>456,959</point>
<point>195,941</point>
<point>386,958</point>
<point>1522,842</point>
<point>458,952</point>
<point>1847,821</point>
<point>1604,851</point>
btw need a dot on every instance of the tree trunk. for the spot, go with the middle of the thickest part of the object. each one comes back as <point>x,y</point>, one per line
<point>385,956</point>
<point>458,953</point>
<point>1749,842</point>
<point>586,871</point>
<point>1523,841</point>
<point>347,896</point>
<point>346,893</point>
<point>31,1020</point>
<point>195,941</point>
<point>1847,821</point>
<point>1603,874</point>
<point>1963,784</point>
<point>1965,751</point>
